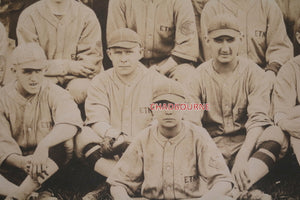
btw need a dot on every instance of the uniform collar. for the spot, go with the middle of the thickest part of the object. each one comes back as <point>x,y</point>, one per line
<point>162,140</point>
<point>143,71</point>
<point>236,75</point>
<point>236,5</point>
<point>46,13</point>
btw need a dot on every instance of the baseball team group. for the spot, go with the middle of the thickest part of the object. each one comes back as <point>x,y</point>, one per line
<point>58,103</point>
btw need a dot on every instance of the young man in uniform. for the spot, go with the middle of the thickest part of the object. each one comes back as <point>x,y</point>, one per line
<point>38,121</point>
<point>168,159</point>
<point>265,40</point>
<point>167,29</point>
<point>117,105</point>
<point>239,100</point>
<point>70,34</point>
<point>286,99</point>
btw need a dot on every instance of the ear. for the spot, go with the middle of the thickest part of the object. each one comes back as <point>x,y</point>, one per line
<point>206,39</point>
<point>108,51</point>
<point>141,53</point>
<point>13,69</point>
<point>298,37</point>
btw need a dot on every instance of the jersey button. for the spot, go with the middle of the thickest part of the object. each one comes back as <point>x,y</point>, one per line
<point>29,129</point>
<point>168,168</point>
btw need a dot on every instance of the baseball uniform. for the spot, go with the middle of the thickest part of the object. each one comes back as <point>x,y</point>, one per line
<point>25,122</point>
<point>167,27</point>
<point>236,105</point>
<point>286,97</point>
<point>162,168</point>
<point>119,106</point>
<point>76,37</point>
<point>265,39</point>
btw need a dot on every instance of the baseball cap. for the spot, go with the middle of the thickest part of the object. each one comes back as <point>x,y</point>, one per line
<point>168,90</point>
<point>29,56</point>
<point>124,37</point>
<point>223,25</point>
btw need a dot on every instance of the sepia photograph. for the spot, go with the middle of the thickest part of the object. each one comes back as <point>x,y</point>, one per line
<point>149,99</point>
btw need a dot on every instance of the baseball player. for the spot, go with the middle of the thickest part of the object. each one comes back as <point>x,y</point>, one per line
<point>286,100</point>
<point>117,105</point>
<point>265,40</point>
<point>38,121</point>
<point>70,35</point>
<point>239,100</point>
<point>167,29</point>
<point>168,159</point>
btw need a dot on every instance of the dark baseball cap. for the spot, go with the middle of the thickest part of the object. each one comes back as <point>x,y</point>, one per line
<point>124,38</point>
<point>223,25</point>
<point>168,90</point>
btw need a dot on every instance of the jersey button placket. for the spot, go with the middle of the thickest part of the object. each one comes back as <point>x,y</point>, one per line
<point>150,28</point>
<point>168,171</point>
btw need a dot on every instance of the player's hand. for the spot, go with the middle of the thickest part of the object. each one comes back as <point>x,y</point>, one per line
<point>240,172</point>
<point>25,163</point>
<point>39,162</point>
<point>79,70</point>
<point>121,144</point>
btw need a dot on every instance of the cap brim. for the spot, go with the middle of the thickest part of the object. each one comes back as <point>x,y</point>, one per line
<point>127,45</point>
<point>223,32</point>
<point>33,65</point>
<point>169,97</point>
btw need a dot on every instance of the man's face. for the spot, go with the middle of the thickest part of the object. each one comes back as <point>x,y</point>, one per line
<point>125,61</point>
<point>168,118</point>
<point>29,80</point>
<point>224,49</point>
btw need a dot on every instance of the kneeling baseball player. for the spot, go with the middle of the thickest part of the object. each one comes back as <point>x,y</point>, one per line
<point>38,121</point>
<point>171,158</point>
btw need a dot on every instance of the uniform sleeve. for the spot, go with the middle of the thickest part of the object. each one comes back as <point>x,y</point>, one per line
<point>211,164</point>
<point>8,145</point>
<point>64,109</point>
<point>258,99</point>
<point>186,37</point>
<point>279,46</point>
<point>116,16</point>
<point>284,93</point>
<point>97,104</point>
<point>26,31</point>
<point>128,172</point>
<point>89,47</point>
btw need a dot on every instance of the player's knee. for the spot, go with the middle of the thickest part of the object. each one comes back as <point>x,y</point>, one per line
<point>92,153</point>
<point>78,89</point>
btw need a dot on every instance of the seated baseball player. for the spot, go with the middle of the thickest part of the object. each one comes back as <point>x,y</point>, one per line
<point>38,121</point>
<point>70,34</point>
<point>239,102</point>
<point>286,98</point>
<point>169,159</point>
<point>167,29</point>
<point>117,104</point>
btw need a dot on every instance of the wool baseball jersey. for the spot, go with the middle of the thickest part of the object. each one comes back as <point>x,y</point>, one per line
<point>286,94</point>
<point>25,122</point>
<point>261,22</point>
<point>120,106</point>
<point>242,101</point>
<point>163,168</point>
<point>74,37</point>
<point>167,27</point>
